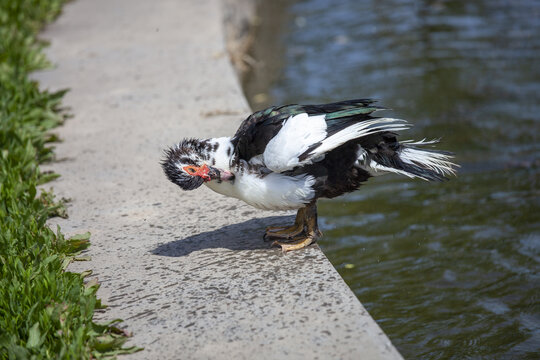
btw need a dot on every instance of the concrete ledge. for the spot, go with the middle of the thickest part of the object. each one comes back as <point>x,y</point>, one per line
<point>187,271</point>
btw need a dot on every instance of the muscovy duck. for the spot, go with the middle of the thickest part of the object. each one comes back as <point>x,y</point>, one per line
<point>287,157</point>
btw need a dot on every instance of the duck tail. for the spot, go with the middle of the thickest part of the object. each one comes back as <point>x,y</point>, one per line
<point>412,159</point>
<point>427,164</point>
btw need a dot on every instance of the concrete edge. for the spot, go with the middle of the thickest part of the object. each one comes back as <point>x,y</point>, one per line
<point>240,18</point>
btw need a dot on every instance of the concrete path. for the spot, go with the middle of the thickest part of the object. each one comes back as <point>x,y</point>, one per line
<point>188,272</point>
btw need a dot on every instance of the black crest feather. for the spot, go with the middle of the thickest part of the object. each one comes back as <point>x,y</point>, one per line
<point>181,154</point>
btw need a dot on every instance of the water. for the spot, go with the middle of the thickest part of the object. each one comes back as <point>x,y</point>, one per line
<point>448,270</point>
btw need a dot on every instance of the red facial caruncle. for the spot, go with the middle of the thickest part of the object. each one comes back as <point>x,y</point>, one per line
<point>198,171</point>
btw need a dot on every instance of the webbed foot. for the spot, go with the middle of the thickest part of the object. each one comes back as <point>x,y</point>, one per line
<point>304,232</point>
<point>297,243</point>
<point>286,232</point>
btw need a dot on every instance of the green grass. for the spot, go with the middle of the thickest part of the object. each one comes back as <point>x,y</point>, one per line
<point>45,310</point>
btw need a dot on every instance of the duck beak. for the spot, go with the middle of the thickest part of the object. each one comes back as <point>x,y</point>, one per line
<point>220,175</point>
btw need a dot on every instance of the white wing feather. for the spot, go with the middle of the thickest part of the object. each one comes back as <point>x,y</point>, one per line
<point>358,130</point>
<point>298,133</point>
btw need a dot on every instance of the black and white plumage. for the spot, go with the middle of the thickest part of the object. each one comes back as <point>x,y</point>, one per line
<point>286,157</point>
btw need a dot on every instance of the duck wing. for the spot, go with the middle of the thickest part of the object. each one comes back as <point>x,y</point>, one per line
<point>282,138</point>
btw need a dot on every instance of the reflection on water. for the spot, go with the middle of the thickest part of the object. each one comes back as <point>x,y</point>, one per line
<point>448,270</point>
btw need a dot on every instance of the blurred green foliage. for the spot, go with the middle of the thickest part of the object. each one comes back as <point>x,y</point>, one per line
<point>45,310</point>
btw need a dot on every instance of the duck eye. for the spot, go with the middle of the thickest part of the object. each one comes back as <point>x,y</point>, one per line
<point>190,169</point>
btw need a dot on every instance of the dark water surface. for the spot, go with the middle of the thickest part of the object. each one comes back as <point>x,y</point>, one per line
<point>448,270</point>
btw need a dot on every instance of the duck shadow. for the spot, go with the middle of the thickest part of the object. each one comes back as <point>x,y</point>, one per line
<point>247,235</point>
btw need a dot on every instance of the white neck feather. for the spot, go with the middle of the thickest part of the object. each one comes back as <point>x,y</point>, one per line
<point>223,153</point>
